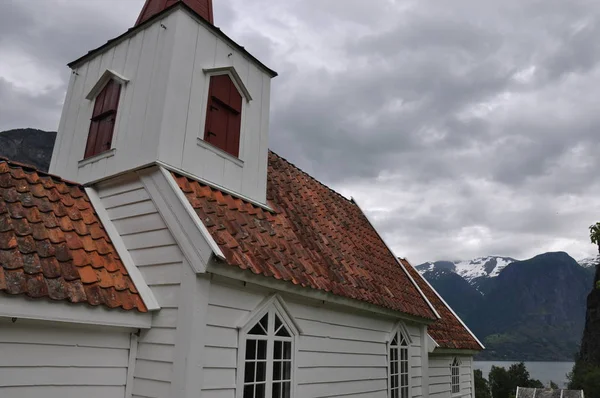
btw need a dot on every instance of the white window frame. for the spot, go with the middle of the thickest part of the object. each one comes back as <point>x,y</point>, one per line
<point>401,330</point>
<point>273,305</point>
<point>455,378</point>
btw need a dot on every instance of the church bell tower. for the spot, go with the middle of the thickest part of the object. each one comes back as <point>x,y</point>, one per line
<point>174,90</point>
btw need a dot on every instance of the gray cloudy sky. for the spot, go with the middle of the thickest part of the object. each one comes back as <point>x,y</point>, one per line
<point>463,127</point>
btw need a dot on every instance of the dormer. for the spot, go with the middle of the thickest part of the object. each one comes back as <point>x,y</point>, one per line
<point>176,90</point>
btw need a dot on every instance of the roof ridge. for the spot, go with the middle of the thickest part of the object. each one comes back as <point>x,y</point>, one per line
<point>26,166</point>
<point>313,178</point>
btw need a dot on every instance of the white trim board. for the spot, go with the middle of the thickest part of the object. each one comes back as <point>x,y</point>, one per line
<point>133,348</point>
<point>108,75</point>
<point>235,77</point>
<point>431,344</point>
<point>400,327</point>
<point>188,231</point>
<point>21,307</point>
<point>134,273</point>
<point>277,302</point>
<point>192,213</point>
<point>222,269</point>
<point>213,185</point>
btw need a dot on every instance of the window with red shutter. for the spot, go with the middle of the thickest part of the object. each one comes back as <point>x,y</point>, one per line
<point>103,120</point>
<point>224,115</point>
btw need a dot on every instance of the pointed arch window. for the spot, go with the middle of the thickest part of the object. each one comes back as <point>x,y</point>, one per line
<point>267,365</point>
<point>455,372</point>
<point>102,124</point>
<point>399,376</point>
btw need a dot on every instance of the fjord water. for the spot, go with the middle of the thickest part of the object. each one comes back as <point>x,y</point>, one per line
<point>543,371</point>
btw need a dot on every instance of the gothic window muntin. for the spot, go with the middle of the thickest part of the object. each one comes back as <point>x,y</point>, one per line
<point>399,363</point>
<point>267,360</point>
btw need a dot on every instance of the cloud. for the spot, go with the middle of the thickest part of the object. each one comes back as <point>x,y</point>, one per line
<point>463,128</point>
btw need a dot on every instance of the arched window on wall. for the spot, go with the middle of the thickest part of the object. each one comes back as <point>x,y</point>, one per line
<point>266,368</point>
<point>399,366</point>
<point>455,372</point>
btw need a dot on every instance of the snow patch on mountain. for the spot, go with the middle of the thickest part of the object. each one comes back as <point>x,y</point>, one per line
<point>489,266</point>
<point>589,262</point>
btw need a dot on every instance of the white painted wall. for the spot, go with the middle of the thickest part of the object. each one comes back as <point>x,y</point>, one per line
<point>162,109</point>
<point>45,361</point>
<point>440,376</point>
<point>339,353</point>
<point>161,262</point>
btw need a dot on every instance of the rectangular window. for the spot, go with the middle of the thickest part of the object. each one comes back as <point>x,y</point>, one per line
<point>224,115</point>
<point>103,120</point>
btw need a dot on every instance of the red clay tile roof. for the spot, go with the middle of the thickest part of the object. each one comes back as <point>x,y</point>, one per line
<point>316,238</point>
<point>448,331</point>
<point>52,244</point>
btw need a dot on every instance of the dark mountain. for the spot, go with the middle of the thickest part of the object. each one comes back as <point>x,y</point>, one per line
<point>532,310</point>
<point>457,292</point>
<point>477,272</point>
<point>28,146</point>
<point>535,310</point>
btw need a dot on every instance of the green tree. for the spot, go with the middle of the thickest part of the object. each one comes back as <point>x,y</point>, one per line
<point>504,383</point>
<point>595,238</point>
<point>499,382</point>
<point>553,385</point>
<point>586,377</point>
<point>482,388</point>
<point>595,234</point>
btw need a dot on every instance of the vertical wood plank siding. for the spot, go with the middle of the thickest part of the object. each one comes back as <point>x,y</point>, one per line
<point>57,362</point>
<point>160,261</point>
<point>143,58</point>
<point>162,109</point>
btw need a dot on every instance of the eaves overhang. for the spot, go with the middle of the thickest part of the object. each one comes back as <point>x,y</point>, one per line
<point>178,5</point>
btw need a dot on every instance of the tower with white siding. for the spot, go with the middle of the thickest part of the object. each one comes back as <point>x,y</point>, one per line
<point>174,89</point>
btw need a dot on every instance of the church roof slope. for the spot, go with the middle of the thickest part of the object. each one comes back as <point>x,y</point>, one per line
<point>315,238</point>
<point>53,246</point>
<point>448,331</point>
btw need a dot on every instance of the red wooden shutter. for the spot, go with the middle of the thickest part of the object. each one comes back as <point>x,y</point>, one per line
<point>224,115</point>
<point>103,120</point>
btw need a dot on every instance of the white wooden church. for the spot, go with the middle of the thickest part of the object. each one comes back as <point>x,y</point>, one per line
<point>176,256</point>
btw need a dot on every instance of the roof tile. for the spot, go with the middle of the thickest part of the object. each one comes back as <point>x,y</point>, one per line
<point>53,245</point>
<point>315,238</point>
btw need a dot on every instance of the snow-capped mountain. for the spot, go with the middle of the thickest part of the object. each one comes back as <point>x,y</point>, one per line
<point>487,267</point>
<point>589,262</point>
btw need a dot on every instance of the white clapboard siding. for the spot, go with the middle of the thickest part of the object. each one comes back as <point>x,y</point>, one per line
<point>440,376</point>
<point>159,259</point>
<point>52,362</point>
<point>339,352</point>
